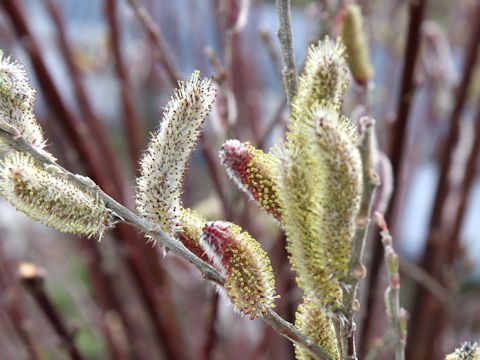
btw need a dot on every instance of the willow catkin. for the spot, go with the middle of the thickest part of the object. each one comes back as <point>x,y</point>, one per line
<point>249,279</point>
<point>253,171</point>
<point>356,44</point>
<point>51,199</point>
<point>313,322</point>
<point>162,168</point>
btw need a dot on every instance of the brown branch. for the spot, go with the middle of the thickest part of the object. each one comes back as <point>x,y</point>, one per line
<point>162,52</point>
<point>130,118</point>
<point>127,238</point>
<point>33,280</point>
<point>396,151</point>
<point>95,125</point>
<point>422,335</point>
<point>211,334</point>
<point>11,137</point>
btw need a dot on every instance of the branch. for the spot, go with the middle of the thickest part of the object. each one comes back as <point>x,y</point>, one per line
<point>397,316</point>
<point>14,140</point>
<point>33,281</point>
<point>162,52</point>
<point>284,34</point>
<point>357,269</point>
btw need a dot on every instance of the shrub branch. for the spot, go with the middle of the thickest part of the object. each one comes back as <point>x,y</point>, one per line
<point>12,138</point>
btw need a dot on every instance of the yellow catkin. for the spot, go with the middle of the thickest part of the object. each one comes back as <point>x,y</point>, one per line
<point>319,181</point>
<point>356,44</point>
<point>468,351</point>
<point>324,79</point>
<point>253,171</point>
<point>50,199</point>
<point>162,168</point>
<point>317,325</point>
<point>249,279</point>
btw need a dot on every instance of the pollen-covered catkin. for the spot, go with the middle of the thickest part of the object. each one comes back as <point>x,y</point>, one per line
<point>162,168</point>
<point>324,79</point>
<point>249,279</point>
<point>319,189</point>
<point>468,351</point>
<point>253,172</point>
<point>17,99</point>
<point>317,325</point>
<point>356,44</point>
<point>51,199</point>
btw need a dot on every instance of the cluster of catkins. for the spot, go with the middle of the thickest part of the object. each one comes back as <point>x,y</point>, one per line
<point>311,186</point>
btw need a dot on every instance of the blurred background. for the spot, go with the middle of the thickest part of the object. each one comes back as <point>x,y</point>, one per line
<point>104,69</point>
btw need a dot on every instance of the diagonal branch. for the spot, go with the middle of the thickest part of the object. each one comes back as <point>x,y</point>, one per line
<point>11,137</point>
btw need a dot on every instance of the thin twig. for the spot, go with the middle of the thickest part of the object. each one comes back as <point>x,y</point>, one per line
<point>12,138</point>
<point>396,315</point>
<point>284,34</point>
<point>357,269</point>
<point>162,52</point>
<point>130,118</point>
<point>396,151</point>
<point>33,281</point>
<point>267,42</point>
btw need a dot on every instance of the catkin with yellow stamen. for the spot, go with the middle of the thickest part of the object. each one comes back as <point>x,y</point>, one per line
<point>356,44</point>
<point>468,351</point>
<point>253,172</point>
<point>313,322</point>
<point>51,199</point>
<point>319,188</point>
<point>17,99</point>
<point>162,168</point>
<point>249,279</point>
<point>324,79</point>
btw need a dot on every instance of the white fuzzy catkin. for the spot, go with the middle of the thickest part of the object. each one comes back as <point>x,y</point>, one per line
<point>162,168</point>
<point>51,199</point>
<point>17,99</point>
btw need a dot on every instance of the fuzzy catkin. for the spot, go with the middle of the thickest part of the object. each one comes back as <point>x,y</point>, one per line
<point>319,188</point>
<point>249,279</point>
<point>162,168</point>
<point>51,199</point>
<point>17,99</point>
<point>311,321</point>
<point>324,79</point>
<point>253,171</point>
<point>356,44</point>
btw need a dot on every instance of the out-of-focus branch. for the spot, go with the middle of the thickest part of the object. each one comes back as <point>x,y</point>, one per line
<point>130,118</point>
<point>284,34</point>
<point>357,270</point>
<point>209,344</point>
<point>427,313</point>
<point>14,140</point>
<point>396,152</point>
<point>162,52</point>
<point>96,127</point>
<point>33,281</point>
<point>396,315</point>
<point>267,42</point>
